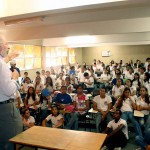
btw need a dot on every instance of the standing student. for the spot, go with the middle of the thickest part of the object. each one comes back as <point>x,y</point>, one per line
<point>10,119</point>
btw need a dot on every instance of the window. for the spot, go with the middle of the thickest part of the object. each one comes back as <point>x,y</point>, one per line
<point>56,56</point>
<point>29,58</point>
<point>72,58</point>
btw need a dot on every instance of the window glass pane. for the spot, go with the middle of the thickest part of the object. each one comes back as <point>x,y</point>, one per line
<point>72,60</point>
<point>58,61</point>
<point>64,60</point>
<point>47,52</point>
<point>53,52</point>
<point>64,52</point>
<point>58,50</point>
<point>71,52</point>
<point>37,62</point>
<point>47,62</point>
<point>20,63</point>
<point>28,51</point>
<point>28,63</point>
<point>37,51</point>
<point>53,62</point>
<point>18,48</point>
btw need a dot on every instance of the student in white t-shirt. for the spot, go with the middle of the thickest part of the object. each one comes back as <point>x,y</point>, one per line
<point>55,118</point>
<point>117,132</point>
<point>28,121</point>
<point>117,90</point>
<point>89,82</point>
<point>102,103</point>
<point>143,105</point>
<point>126,103</point>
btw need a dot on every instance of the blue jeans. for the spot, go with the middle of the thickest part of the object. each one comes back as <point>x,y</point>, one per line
<point>143,141</point>
<point>129,115</point>
<point>73,122</point>
<point>99,119</point>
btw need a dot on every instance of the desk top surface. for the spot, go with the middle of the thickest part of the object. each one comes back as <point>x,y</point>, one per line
<point>60,139</point>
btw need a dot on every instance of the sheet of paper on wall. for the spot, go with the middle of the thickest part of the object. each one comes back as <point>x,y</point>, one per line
<point>138,113</point>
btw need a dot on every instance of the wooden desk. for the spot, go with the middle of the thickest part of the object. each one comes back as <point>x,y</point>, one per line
<point>60,139</point>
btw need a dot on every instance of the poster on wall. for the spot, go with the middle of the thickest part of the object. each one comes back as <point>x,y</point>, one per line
<point>106,53</point>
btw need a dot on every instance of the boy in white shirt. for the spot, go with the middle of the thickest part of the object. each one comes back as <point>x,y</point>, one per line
<point>56,118</point>
<point>119,135</point>
<point>102,104</point>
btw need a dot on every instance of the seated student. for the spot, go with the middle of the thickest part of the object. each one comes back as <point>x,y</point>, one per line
<point>32,99</point>
<point>23,78</point>
<point>81,105</point>
<point>72,71</point>
<point>38,85</point>
<point>102,104</point>
<point>28,121</point>
<point>55,118</point>
<point>26,85</point>
<point>117,90</point>
<point>62,99</point>
<point>130,74</point>
<point>143,105</point>
<point>89,82</point>
<point>118,76</point>
<point>49,84</point>
<point>127,104</point>
<point>45,100</point>
<point>131,87</point>
<point>69,86</point>
<point>144,141</point>
<point>117,132</point>
<point>60,81</point>
<point>136,81</point>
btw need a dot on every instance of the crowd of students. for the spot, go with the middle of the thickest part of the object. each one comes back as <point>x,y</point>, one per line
<point>62,98</point>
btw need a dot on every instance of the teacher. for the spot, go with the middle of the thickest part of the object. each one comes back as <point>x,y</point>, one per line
<point>10,119</point>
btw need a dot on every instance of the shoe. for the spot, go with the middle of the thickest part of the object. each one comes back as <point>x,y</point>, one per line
<point>104,148</point>
<point>117,148</point>
<point>139,148</point>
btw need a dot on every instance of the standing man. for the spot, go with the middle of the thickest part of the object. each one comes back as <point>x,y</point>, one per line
<point>10,119</point>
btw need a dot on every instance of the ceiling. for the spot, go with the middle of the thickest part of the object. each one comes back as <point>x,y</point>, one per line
<point>112,22</point>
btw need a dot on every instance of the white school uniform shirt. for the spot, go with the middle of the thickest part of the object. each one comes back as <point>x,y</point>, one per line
<point>81,77</point>
<point>105,77</point>
<point>127,105</point>
<point>102,103</point>
<point>54,120</point>
<point>118,90</point>
<point>113,125</point>
<point>26,86</point>
<point>91,80</point>
<point>31,101</point>
<point>140,102</point>
<point>30,120</point>
<point>129,76</point>
<point>7,86</point>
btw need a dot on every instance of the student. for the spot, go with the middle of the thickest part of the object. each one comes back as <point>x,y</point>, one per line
<point>60,81</point>
<point>55,118</point>
<point>38,85</point>
<point>81,105</point>
<point>143,105</point>
<point>144,141</point>
<point>32,99</point>
<point>26,85</point>
<point>49,84</point>
<point>136,81</point>
<point>62,99</point>
<point>117,132</point>
<point>127,104</point>
<point>69,86</point>
<point>102,103</point>
<point>89,82</point>
<point>28,121</point>
<point>117,90</point>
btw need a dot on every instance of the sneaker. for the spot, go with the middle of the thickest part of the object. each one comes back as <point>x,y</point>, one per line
<point>117,148</point>
<point>104,148</point>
